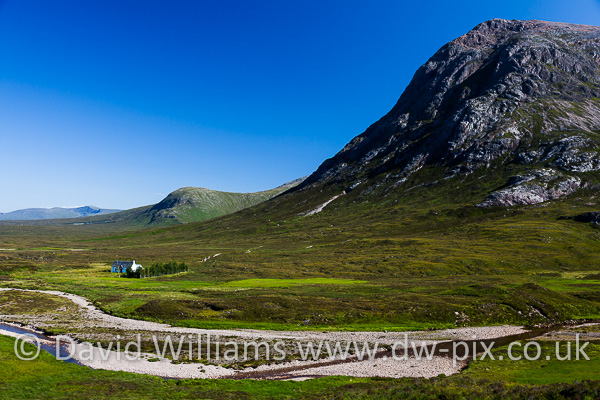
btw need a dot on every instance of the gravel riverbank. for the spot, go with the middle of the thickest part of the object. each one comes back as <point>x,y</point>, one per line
<point>96,357</point>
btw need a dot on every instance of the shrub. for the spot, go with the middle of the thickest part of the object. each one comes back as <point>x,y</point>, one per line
<point>159,269</point>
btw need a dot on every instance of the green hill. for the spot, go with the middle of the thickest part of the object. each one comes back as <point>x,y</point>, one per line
<point>188,204</point>
<point>191,204</point>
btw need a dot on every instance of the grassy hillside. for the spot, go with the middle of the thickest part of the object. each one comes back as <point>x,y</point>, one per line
<point>370,260</point>
<point>189,204</point>
<point>403,260</point>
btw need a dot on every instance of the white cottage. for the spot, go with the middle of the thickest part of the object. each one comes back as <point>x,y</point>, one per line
<point>121,267</point>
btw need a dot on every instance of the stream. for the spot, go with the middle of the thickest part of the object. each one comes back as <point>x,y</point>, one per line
<point>442,351</point>
<point>46,343</point>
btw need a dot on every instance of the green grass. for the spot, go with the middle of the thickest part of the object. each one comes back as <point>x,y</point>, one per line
<point>46,377</point>
<point>387,265</point>
<point>416,256</point>
<point>270,283</point>
<point>390,260</point>
<point>49,378</point>
<point>541,371</point>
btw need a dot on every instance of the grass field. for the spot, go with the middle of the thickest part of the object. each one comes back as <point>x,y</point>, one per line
<point>46,377</point>
<point>398,264</point>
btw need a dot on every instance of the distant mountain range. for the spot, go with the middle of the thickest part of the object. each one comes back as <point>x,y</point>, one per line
<point>54,213</point>
<point>188,204</point>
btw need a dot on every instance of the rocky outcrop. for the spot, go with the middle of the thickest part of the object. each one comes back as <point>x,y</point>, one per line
<point>588,217</point>
<point>535,187</point>
<point>593,217</point>
<point>508,92</point>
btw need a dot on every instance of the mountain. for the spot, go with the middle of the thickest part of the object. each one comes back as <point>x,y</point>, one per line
<point>191,204</point>
<point>188,204</point>
<point>507,114</point>
<point>54,213</point>
<point>515,104</point>
<point>418,204</point>
<point>504,115</point>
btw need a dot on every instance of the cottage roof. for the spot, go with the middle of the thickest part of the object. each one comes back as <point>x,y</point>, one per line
<point>124,264</point>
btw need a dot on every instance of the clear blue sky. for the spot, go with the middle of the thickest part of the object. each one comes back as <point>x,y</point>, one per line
<point>118,103</point>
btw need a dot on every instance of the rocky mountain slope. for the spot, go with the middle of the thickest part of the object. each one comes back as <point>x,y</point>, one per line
<point>53,213</point>
<point>516,101</point>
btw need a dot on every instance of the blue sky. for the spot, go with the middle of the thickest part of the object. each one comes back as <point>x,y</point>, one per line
<point>118,103</point>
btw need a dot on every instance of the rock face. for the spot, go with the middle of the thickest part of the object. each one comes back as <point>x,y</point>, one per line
<point>520,93</point>
<point>535,187</point>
